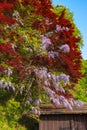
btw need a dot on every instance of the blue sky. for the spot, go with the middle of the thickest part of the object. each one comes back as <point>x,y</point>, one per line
<point>79,8</point>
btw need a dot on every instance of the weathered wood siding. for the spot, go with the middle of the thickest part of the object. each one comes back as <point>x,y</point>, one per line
<point>63,122</point>
<point>62,118</point>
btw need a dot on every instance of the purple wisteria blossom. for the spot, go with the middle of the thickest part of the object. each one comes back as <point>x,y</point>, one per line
<point>52,85</point>
<point>9,85</point>
<point>65,102</point>
<point>35,111</point>
<point>65,48</point>
<point>1,83</point>
<point>48,22</point>
<point>53,54</point>
<point>21,22</point>
<point>37,102</point>
<point>55,101</point>
<point>56,86</point>
<point>50,92</point>
<point>78,103</point>
<point>8,72</point>
<point>64,78</point>
<point>45,42</point>
<point>49,75</point>
<point>69,103</point>
<point>28,101</point>
<point>13,88</point>
<point>16,15</point>
<point>61,100</point>
<point>59,28</point>
<point>47,83</point>
<point>54,82</point>
<point>6,85</point>
<point>55,77</point>
<point>41,73</point>
<point>65,28</point>
<point>57,82</point>
<point>22,89</point>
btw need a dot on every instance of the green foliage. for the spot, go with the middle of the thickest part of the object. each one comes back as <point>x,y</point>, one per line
<point>13,115</point>
<point>9,115</point>
<point>58,10</point>
<point>81,91</point>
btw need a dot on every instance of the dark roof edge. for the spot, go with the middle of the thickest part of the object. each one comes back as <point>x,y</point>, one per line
<point>51,109</point>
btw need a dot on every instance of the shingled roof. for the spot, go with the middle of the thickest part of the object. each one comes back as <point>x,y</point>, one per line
<point>51,109</point>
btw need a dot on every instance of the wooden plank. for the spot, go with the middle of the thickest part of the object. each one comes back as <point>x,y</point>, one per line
<point>63,122</point>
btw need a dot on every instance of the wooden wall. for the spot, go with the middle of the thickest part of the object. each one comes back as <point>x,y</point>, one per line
<point>63,122</point>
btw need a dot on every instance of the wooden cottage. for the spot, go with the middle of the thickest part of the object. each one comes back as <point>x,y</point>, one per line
<point>61,118</point>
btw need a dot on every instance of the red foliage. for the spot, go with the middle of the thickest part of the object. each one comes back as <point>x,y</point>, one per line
<point>6,20</point>
<point>7,49</point>
<point>4,7</point>
<point>1,69</point>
